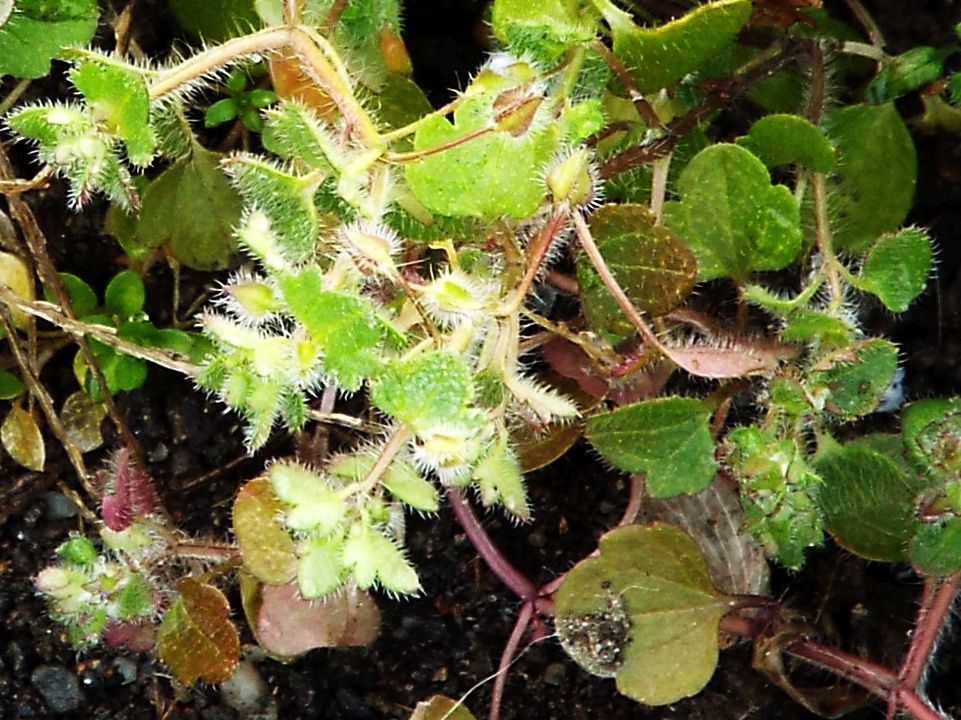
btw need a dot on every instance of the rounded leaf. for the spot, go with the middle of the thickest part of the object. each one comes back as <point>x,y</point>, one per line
<point>266,546</point>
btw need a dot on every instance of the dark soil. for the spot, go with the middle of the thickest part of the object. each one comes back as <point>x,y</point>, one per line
<point>450,639</point>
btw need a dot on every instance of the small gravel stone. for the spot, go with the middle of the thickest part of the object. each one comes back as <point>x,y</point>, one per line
<point>58,686</point>
<point>555,674</point>
<point>58,506</point>
<point>126,668</point>
<point>245,690</point>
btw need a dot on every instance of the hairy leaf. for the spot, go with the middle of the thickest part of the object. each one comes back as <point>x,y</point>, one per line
<point>897,267</point>
<point>660,56</point>
<point>782,139</point>
<point>936,547</point>
<point>345,327</point>
<point>873,188</point>
<point>853,379</point>
<point>120,101</point>
<point>425,391</point>
<point>868,502</point>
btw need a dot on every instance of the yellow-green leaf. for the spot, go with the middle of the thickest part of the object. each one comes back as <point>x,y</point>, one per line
<point>266,546</point>
<point>22,439</point>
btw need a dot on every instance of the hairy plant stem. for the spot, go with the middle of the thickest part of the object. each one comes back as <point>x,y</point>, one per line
<point>643,107</point>
<point>537,251</point>
<point>825,245</point>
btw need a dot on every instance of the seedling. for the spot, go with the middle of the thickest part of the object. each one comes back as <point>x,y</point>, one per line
<point>402,255</point>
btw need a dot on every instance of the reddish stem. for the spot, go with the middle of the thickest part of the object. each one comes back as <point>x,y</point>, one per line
<point>520,626</point>
<point>936,601</point>
<point>491,554</point>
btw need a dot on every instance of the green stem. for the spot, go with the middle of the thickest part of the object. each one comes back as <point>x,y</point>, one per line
<point>825,244</point>
<point>395,443</point>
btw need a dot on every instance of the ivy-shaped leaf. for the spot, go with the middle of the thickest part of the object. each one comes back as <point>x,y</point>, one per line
<point>192,208</point>
<point>649,261</point>
<point>39,30</point>
<point>731,216</point>
<point>868,502</point>
<point>644,611</point>
<point>265,544</point>
<point>125,294</point>
<point>345,327</point>
<point>119,99</point>
<point>782,139</point>
<point>196,639</point>
<point>897,267</point>
<point>873,189</point>
<point>660,56</point>
<point>489,176</point>
<point>669,439</point>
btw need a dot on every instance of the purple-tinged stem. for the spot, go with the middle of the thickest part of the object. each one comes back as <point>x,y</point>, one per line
<point>489,552</point>
<point>939,594</point>
<point>520,626</point>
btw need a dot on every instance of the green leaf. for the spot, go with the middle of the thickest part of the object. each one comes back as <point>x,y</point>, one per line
<point>854,378</point>
<point>404,482</point>
<point>896,269</point>
<point>192,208</point>
<point>313,505</point>
<point>119,99</point>
<point>731,216</point>
<point>345,327</point>
<point>287,201</point>
<point>500,481</point>
<point>936,547</point>
<point>667,438</point>
<point>10,385</point>
<point>806,325</point>
<point>649,261</point>
<point>375,558</point>
<point>873,189</point>
<point>932,436</point>
<point>644,611</point>
<point>265,545</point>
<point>545,29</point>
<point>320,570</point>
<point>215,22</point>
<point>196,639</point>
<point>908,71</point>
<point>782,139</point>
<point>83,299</point>
<point>425,391</point>
<point>489,176</point>
<point>222,111</point>
<point>39,30</point>
<point>125,294</point>
<point>401,101</point>
<point>78,550</point>
<point>660,56</point>
<point>868,502</point>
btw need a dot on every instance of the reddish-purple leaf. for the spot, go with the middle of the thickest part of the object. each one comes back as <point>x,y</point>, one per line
<point>136,636</point>
<point>288,625</point>
<point>129,492</point>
